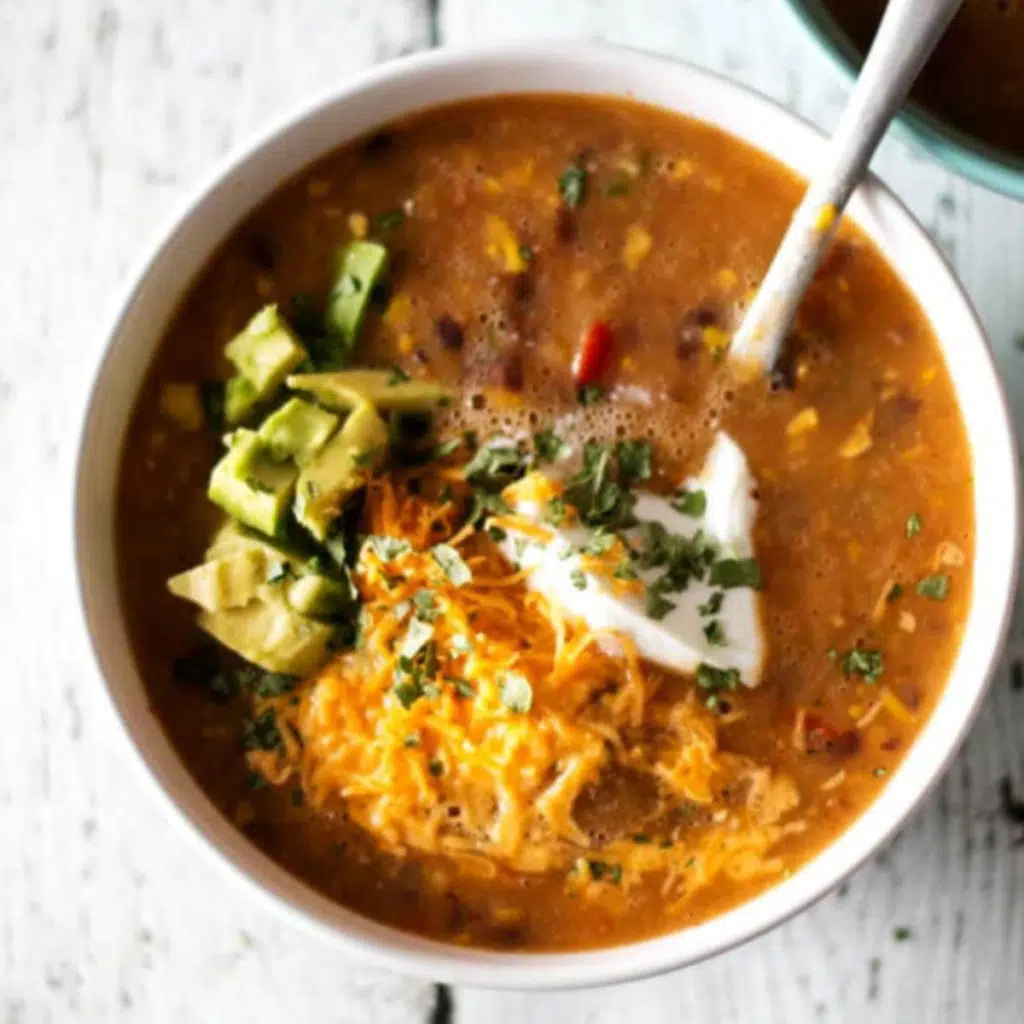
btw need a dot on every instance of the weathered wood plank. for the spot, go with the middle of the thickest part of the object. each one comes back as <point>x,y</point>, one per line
<point>107,114</point>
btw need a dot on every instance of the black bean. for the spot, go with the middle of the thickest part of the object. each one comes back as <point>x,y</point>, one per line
<point>262,250</point>
<point>449,332</point>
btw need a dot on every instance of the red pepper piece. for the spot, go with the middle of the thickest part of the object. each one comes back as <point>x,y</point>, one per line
<point>594,356</point>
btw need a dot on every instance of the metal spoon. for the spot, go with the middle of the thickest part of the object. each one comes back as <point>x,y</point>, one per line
<point>906,37</point>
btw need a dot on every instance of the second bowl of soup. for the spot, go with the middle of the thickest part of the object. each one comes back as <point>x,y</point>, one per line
<point>967,107</point>
<point>466,579</point>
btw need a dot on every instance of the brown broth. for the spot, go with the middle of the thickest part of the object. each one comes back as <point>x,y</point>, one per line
<point>975,78</point>
<point>831,530</point>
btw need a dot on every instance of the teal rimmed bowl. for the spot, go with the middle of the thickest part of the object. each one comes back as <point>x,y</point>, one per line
<point>960,152</point>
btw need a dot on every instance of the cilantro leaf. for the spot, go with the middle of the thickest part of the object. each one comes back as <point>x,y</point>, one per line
<point>451,564</point>
<point>572,185</point>
<point>691,503</point>
<point>736,572</point>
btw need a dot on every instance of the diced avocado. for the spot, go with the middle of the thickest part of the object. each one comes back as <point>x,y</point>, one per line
<point>320,597</point>
<point>361,266</point>
<point>272,635</point>
<point>228,582</point>
<point>298,430</point>
<point>250,486</point>
<point>339,469</point>
<point>264,354</point>
<point>349,388</point>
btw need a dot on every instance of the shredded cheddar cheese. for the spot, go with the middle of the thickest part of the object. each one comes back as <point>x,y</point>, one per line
<point>528,709</point>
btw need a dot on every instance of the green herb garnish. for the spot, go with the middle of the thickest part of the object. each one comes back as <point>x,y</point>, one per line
<point>714,633</point>
<point>451,564</point>
<point>913,527</point>
<point>736,572</point>
<point>691,503</point>
<point>935,587</point>
<point>859,661</point>
<point>590,394</point>
<point>549,446</point>
<point>572,185</point>
<point>387,549</point>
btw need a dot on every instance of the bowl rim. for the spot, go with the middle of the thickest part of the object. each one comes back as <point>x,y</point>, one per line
<point>352,933</point>
<point>964,154</point>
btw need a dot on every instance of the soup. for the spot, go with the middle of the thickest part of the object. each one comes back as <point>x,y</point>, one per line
<point>975,78</point>
<point>557,630</point>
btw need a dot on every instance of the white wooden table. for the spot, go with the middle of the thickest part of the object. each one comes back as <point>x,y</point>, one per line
<point>108,112</point>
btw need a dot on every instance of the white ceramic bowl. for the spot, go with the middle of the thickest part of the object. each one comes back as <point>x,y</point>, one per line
<point>358,106</point>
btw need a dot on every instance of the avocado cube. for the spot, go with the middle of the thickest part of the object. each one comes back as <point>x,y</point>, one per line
<point>272,635</point>
<point>264,354</point>
<point>228,582</point>
<point>348,388</point>
<point>320,597</point>
<point>250,485</point>
<point>340,468</point>
<point>298,430</point>
<point>361,266</point>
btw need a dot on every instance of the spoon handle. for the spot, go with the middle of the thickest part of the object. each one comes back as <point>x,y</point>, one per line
<point>906,37</point>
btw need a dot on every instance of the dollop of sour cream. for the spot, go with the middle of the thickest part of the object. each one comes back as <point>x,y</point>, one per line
<point>681,639</point>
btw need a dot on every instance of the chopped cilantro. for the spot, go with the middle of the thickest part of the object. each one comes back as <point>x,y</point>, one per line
<point>902,933</point>
<point>858,661</point>
<point>935,587</point>
<point>913,527</point>
<point>572,185</point>
<point>717,679</point>
<point>713,605</point>
<point>496,465</point>
<point>691,503</point>
<point>516,692</point>
<point>895,592</point>
<point>408,692</point>
<point>451,564</point>
<point>600,869</point>
<point>396,375</point>
<point>634,461</point>
<point>425,606</point>
<point>496,534</point>
<point>590,394</point>
<point>736,572</point>
<point>600,544</point>
<point>555,512</point>
<point>262,733</point>
<point>656,606</point>
<point>525,253</point>
<point>624,571</point>
<point>387,549</point>
<point>714,633</point>
<point>549,446</point>
<point>579,579</point>
<point>443,449</point>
